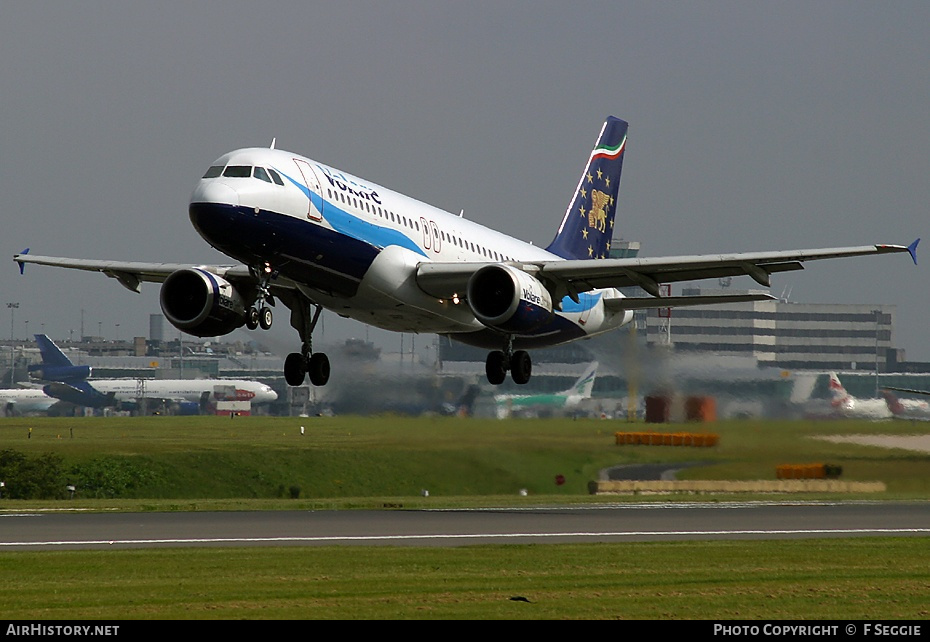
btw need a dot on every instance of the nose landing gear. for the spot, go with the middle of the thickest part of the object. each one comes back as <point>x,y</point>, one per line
<point>259,317</point>
<point>260,314</point>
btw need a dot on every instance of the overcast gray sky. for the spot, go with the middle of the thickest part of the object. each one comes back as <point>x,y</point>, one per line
<point>753,126</point>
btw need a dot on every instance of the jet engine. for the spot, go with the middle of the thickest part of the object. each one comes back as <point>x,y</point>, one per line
<point>508,299</point>
<point>202,303</point>
<point>47,372</point>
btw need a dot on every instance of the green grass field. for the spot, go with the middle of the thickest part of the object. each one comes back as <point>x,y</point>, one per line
<point>885,579</point>
<point>352,459</point>
<point>343,462</point>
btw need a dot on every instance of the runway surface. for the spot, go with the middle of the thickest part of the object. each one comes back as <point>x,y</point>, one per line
<point>34,530</point>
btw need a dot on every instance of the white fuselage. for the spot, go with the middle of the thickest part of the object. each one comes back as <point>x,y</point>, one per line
<point>190,390</point>
<point>25,400</point>
<point>914,409</point>
<point>857,408</point>
<point>365,243</point>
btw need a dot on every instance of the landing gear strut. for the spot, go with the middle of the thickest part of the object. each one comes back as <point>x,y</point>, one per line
<point>299,364</point>
<point>260,314</point>
<point>500,361</point>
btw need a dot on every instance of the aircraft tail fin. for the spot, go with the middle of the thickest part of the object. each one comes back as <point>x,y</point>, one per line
<point>894,404</point>
<point>837,391</point>
<point>803,387</point>
<point>467,401</point>
<point>584,386</point>
<point>588,224</point>
<point>56,366</point>
<point>51,354</point>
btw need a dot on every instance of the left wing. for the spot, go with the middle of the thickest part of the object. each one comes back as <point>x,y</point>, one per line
<point>570,278</point>
<point>131,274</point>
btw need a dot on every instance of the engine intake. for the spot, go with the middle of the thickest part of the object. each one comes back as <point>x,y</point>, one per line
<point>202,303</point>
<point>505,298</point>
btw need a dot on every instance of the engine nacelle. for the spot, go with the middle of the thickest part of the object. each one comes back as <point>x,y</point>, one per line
<point>59,373</point>
<point>505,298</point>
<point>202,303</point>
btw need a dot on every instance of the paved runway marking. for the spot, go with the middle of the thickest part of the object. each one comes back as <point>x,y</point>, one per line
<point>389,538</point>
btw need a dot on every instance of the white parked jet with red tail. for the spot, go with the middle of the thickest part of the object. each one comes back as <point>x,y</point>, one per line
<point>314,237</point>
<point>845,406</point>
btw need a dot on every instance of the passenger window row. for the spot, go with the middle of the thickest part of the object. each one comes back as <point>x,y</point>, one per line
<point>269,175</point>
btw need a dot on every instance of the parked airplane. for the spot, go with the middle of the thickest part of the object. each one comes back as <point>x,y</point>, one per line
<point>68,382</point>
<point>848,407</point>
<point>565,400</point>
<point>315,237</point>
<point>907,408</point>
<point>21,401</point>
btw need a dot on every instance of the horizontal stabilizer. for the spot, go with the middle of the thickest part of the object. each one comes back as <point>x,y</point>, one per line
<point>79,393</point>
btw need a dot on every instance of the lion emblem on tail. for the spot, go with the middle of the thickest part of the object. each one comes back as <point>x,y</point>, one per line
<point>597,215</point>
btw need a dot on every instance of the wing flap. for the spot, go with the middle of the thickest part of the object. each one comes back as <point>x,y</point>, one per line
<point>758,265</point>
<point>619,304</point>
<point>443,280</point>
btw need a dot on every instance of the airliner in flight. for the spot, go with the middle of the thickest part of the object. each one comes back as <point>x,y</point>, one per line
<point>68,382</point>
<point>315,237</point>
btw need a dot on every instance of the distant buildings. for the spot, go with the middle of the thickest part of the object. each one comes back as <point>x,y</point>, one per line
<point>798,336</point>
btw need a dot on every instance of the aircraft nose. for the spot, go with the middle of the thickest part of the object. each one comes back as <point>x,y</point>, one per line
<point>214,192</point>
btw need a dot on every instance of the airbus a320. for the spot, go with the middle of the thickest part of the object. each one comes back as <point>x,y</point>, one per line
<point>314,237</point>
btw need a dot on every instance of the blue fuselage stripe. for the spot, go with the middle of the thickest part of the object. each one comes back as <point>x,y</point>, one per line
<point>353,226</point>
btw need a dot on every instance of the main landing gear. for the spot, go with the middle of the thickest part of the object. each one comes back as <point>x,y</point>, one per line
<point>297,365</point>
<point>500,361</point>
<point>304,317</point>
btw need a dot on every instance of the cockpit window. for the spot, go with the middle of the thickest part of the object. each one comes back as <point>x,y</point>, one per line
<point>275,176</point>
<point>214,171</point>
<point>238,171</point>
<point>261,174</point>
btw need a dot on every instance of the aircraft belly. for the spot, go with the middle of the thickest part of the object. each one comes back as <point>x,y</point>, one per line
<point>388,298</point>
<point>558,330</point>
<point>563,327</point>
<point>298,249</point>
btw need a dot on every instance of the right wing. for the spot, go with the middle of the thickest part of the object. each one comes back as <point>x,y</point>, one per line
<point>572,277</point>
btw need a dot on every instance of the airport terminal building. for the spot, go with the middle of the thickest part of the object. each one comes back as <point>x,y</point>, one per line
<point>796,336</point>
